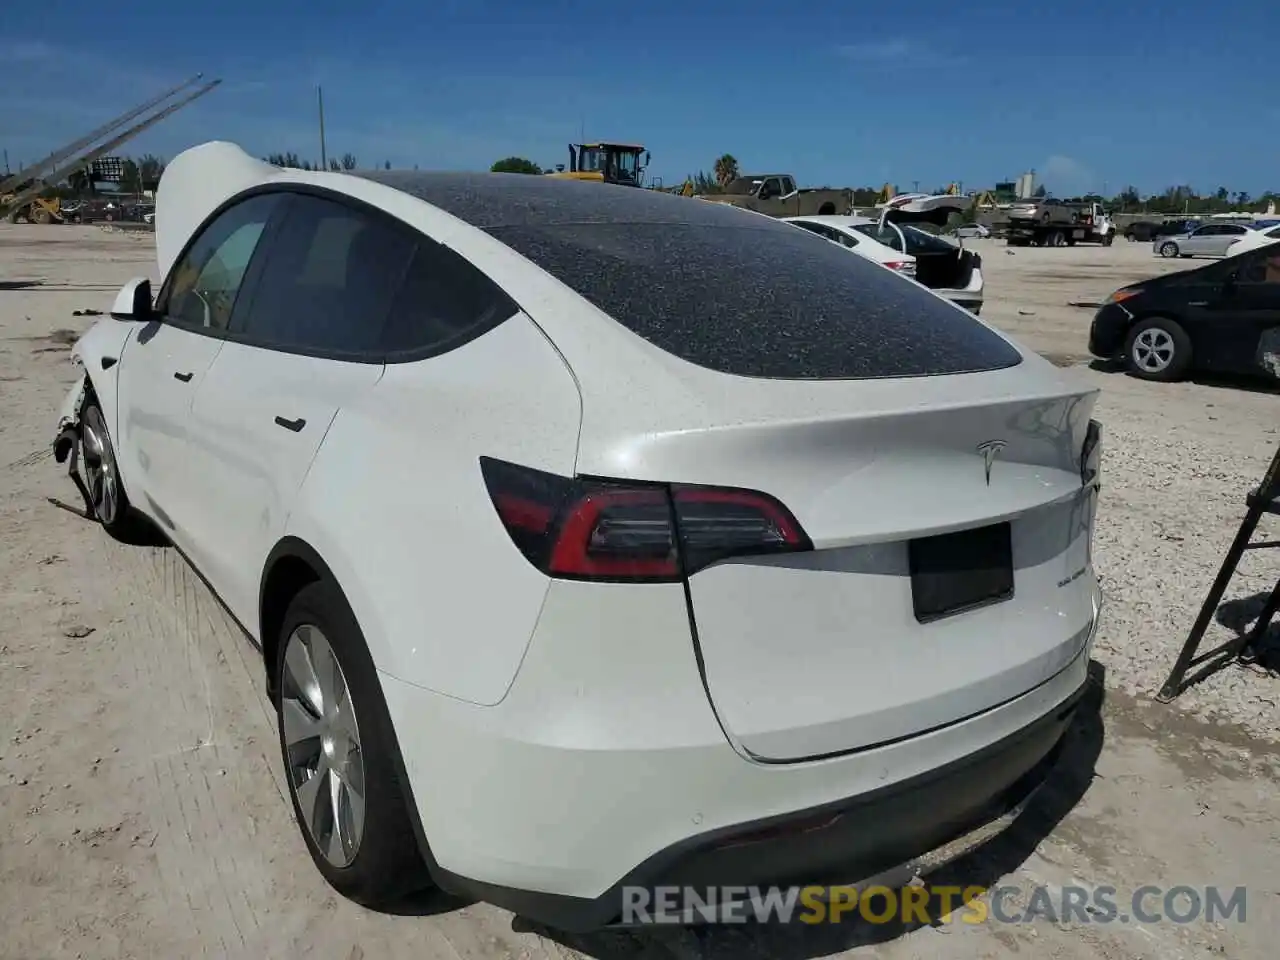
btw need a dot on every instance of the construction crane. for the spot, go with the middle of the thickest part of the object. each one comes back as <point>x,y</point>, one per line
<point>58,156</point>
<point>73,157</point>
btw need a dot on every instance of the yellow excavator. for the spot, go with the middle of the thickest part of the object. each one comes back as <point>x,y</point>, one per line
<point>606,163</point>
<point>35,210</point>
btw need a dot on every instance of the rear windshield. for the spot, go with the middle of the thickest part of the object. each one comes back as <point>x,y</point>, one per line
<point>767,301</point>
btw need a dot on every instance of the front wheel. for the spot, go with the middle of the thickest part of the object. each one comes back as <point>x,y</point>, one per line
<point>1168,250</point>
<point>337,742</point>
<point>1158,349</point>
<point>107,497</point>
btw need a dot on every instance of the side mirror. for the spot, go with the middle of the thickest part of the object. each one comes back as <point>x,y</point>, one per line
<point>647,157</point>
<point>133,302</point>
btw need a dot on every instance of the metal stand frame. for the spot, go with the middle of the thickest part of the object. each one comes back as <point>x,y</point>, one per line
<point>1260,502</point>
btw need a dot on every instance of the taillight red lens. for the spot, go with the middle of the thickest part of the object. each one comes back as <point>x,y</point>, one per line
<point>598,529</point>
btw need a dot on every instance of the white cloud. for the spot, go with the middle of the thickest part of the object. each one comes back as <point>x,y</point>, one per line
<point>880,50</point>
<point>900,50</point>
<point>25,52</point>
<point>1066,176</point>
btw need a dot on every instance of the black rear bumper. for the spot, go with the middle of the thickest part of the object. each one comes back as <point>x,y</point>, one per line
<point>846,842</point>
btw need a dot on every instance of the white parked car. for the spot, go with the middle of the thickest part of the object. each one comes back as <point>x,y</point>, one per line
<point>590,535</point>
<point>1206,240</point>
<point>947,269</point>
<point>973,231</point>
<point>1253,240</point>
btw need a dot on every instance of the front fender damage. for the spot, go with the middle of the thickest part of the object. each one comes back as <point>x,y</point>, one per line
<point>67,435</point>
<point>66,442</point>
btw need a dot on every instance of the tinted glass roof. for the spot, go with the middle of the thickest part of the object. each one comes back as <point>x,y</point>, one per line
<point>519,199</point>
<point>728,290</point>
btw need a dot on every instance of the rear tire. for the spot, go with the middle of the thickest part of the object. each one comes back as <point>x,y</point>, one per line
<point>337,744</point>
<point>1158,349</point>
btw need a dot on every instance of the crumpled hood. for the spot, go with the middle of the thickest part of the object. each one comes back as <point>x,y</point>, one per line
<point>193,185</point>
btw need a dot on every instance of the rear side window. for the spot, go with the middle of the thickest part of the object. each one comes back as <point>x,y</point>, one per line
<point>761,301</point>
<point>888,236</point>
<point>328,280</point>
<point>444,302</point>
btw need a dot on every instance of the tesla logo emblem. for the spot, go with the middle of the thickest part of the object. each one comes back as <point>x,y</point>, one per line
<point>990,449</point>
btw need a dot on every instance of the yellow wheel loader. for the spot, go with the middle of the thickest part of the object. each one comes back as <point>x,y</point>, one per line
<point>35,210</point>
<point>606,163</point>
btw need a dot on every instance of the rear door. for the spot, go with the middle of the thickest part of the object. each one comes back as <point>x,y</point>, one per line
<point>167,360</point>
<point>307,341</point>
<point>1228,233</point>
<point>1245,315</point>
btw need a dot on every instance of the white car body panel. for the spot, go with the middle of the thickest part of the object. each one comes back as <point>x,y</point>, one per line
<point>241,470</point>
<point>97,353</point>
<point>570,718</point>
<point>858,508</point>
<point>1254,240</point>
<point>374,474</point>
<point>152,407</point>
<point>505,684</point>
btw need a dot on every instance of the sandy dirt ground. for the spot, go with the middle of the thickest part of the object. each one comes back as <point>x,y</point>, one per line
<point>142,812</point>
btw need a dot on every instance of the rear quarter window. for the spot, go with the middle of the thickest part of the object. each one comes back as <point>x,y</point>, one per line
<point>761,301</point>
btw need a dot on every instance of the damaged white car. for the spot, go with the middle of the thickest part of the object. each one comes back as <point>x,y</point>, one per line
<point>597,539</point>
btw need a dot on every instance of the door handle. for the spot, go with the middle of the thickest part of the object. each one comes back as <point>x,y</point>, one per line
<point>184,377</point>
<point>294,425</point>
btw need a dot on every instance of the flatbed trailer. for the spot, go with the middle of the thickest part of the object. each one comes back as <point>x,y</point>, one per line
<point>1091,225</point>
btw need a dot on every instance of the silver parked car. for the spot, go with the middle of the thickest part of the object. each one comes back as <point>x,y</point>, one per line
<point>1207,240</point>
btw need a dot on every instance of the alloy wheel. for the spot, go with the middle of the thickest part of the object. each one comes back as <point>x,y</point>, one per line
<point>322,744</point>
<point>101,476</point>
<point>1153,350</point>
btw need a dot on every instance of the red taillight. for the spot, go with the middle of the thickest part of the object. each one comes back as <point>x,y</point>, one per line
<point>598,529</point>
<point>896,264</point>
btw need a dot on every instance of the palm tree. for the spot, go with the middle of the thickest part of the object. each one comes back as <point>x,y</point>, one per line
<point>726,170</point>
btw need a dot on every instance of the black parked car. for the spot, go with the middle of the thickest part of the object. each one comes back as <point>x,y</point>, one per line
<point>1223,317</point>
<point>1147,230</point>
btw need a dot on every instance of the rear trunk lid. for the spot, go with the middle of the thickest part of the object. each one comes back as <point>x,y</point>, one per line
<point>818,653</point>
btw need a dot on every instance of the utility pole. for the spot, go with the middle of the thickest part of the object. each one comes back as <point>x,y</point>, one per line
<point>324,159</point>
<point>6,163</point>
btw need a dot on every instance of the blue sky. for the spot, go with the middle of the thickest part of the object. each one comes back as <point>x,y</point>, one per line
<point>838,92</point>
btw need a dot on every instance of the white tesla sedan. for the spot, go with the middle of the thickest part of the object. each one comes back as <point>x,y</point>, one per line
<point>594,538</point>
